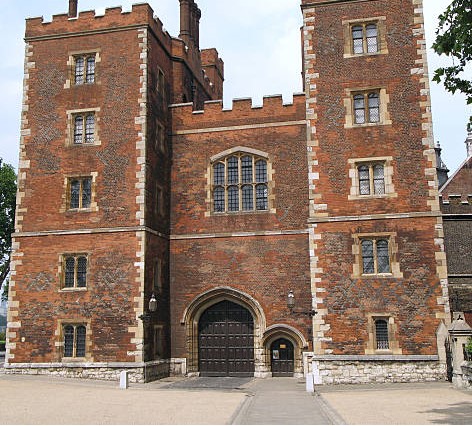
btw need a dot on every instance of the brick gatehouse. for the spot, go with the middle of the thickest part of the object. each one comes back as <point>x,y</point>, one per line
<point>272,240</point>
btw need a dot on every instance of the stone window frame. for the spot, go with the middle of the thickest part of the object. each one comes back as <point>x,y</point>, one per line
<point>62,272</point>
<point>379,21</point>
<point>71,66</point>
<point>241,151</point>
<point>384,100</point>
<point>355,163</point>
<point>70,131</point>
<point>60,339</point>
<point>65,205</point>
<point>357,271</point>
<point>392,328</point>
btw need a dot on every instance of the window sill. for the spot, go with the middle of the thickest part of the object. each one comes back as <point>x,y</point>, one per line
<point>88,210</point>
<point>367,54</point>
<point>373,197</point>
<point>240,213</point>
<point>73,360</point>
<point>73,289</point>
<point>383,275</point>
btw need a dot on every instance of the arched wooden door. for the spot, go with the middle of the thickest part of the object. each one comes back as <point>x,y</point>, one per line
<point>226,341</point>
<point>282,360</point>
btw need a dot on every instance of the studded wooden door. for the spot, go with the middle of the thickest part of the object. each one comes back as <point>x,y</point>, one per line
<point>226,341</point>
<point>282,360</point>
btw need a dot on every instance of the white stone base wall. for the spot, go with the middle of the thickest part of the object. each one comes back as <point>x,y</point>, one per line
<point>142,373</point>
<point>364,371</point>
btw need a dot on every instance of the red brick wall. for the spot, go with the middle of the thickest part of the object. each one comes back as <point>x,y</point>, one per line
<point>108,303</point>
<point>411,300</point>
<point>116,93</point>
<point>266,268</point>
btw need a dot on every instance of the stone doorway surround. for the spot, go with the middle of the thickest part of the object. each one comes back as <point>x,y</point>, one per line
<point>263,335</point>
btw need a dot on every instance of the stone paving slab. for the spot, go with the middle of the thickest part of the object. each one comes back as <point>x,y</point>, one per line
<point>211,383</point>
<point>282,401</point>
<point>403,403</point>
<point>46,400</point>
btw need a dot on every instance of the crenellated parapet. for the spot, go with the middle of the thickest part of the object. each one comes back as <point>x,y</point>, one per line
<point>242,113</point>
<point>114,19</point>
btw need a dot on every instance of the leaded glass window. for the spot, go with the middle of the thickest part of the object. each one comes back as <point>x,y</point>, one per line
<point>74,341</point>
<point>374,108</point>
<point>90,77</point>
<point>240,183</point>
<point>381,334</point>
<point>357,39</point>
<point>80,196</point>
<point>375,256</point>
<point>366,107</point>
<point>368,257</point>
<point>383,257</point>
<point>359,109</point>
<point>365,38</point>
<point>372,38</point>
<point>379,179</point>
<point>75,271</point>
<point>79,70</point>
<point>364,180</point>
<point>371,179</point>
<point>233,199</point>
<point>89,128</point>
<point>69,278</point>
<point>248,197</point>
<point>80,342</point>
<point>69,341</point>
<point>87,135</point>
<point>84,69</point>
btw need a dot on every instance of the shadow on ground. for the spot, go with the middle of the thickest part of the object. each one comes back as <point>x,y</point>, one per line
<point>211,383</point>
<point>454,414</point>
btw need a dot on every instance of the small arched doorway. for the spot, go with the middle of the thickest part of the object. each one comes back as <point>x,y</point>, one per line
<point>226,341</point>
<point>282,358</point>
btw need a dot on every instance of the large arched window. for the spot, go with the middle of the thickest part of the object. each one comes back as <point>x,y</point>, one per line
<point>240,183</point>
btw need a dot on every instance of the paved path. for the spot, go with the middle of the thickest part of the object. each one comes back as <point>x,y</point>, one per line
<point>282,401</point>
<point>402,403</point>
<point>46,400</point>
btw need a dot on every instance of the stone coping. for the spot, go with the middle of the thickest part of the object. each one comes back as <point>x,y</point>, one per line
<point>403,358</point>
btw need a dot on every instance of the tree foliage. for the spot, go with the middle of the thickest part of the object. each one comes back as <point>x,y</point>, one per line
<point>7,217</point>
<point>454,39</point>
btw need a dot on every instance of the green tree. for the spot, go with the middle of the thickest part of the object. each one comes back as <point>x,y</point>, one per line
<point>7,220</point>
<point>453,39</point>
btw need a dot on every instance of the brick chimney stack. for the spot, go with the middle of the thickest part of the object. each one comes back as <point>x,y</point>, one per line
<point>185,20</point>
<point>72,8</point>
<point>190,16</point>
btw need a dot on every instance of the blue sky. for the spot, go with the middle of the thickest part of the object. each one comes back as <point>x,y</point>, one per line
<point>259,41</point>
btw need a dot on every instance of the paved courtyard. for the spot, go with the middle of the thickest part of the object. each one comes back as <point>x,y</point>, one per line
<point>48,400</point>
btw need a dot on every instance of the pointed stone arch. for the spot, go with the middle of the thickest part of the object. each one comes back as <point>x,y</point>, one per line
<point>197,306</point>
<point>277,331</point>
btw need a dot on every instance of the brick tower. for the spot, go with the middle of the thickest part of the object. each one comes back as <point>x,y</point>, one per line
<point>91,242</point>
<point>378,268</point>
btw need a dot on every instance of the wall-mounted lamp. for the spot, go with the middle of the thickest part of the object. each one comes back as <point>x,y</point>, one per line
<point>152,307</point>
<point>291,306</point>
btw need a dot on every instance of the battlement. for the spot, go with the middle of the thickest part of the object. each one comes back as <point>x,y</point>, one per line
<point>90,22</point>
<point>243,112</point>
<point>210,58</point>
